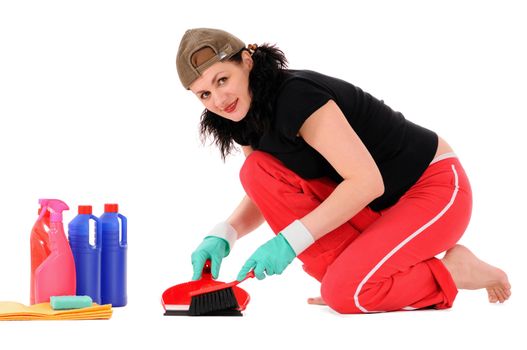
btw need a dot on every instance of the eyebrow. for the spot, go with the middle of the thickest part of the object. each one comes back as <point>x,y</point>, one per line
<point>212,82</point>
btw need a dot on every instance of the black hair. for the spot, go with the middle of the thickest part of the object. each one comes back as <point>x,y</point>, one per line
<point>264,80</point>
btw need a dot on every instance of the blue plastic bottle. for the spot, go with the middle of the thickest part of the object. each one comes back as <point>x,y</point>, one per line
<point>114,247</point>
<point>87,256</point>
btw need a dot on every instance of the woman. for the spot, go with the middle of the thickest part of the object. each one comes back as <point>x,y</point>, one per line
<point>363,197</point>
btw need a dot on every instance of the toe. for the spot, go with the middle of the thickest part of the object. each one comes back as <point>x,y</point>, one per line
<point>500,295</point>
<point>316,301</point>
<point>492,295</point>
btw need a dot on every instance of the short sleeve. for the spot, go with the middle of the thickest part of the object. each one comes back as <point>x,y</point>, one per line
<point>297,100</point>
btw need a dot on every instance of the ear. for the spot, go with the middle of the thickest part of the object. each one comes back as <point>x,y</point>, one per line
<point>247,59</point>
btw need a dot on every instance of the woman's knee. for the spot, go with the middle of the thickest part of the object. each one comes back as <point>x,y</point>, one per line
<point>349,291</point>
<point>356,295</point>
<point>338,293</point>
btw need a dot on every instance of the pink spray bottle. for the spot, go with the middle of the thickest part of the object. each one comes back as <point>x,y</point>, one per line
<point>56,274</point>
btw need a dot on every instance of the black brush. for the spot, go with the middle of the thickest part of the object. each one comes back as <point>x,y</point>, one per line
<point>214,313</point>
<point>215,299</point>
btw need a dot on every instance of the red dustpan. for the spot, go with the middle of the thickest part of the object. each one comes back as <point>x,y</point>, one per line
<point>176,299</point>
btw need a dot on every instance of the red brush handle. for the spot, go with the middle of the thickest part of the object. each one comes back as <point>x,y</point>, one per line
<point>220,286</point>
<point>249,275</point>
<point>234,283</point>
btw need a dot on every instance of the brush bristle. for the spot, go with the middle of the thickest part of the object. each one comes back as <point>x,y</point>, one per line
<point>223,299</point>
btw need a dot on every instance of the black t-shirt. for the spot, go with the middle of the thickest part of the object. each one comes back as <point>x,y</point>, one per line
<point>401,149</point>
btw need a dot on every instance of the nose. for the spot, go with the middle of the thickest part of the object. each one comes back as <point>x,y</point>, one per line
<point>220,100</point>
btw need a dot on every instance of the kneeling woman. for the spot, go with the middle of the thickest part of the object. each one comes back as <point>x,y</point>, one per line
<point>363,197</point>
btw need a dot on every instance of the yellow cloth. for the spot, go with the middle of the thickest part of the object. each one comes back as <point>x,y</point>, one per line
<point>12,311</point>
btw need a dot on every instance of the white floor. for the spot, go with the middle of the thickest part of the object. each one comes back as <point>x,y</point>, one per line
<point>278,317</point>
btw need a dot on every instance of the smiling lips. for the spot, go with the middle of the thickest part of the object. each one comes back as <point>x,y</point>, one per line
<point>231,108</point>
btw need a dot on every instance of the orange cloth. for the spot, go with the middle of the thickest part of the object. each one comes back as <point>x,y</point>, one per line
<point>12,311</point>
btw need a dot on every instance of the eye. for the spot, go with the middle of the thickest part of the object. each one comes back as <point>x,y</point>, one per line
<point>204,95</point>
<point>222,81</point>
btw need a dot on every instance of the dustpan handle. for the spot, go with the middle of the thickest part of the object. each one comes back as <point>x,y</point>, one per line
<point>206,274</point>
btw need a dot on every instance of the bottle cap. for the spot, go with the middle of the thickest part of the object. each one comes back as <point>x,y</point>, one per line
<point>111,208</point>
<point>85,209</point>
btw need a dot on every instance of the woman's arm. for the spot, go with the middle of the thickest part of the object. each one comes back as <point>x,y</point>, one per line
<point>328,131</point>
<point>246,217</point>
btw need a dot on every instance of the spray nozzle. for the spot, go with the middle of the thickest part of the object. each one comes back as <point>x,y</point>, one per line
<point>55,206</point>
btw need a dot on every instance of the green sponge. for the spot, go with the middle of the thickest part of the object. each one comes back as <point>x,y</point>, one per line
<point>65,302</point>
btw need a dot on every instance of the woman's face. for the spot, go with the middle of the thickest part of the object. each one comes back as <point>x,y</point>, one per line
<point>224,88</point>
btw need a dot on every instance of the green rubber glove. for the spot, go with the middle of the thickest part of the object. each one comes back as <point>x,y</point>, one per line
<point>270,259</point>
<point>213,248</point>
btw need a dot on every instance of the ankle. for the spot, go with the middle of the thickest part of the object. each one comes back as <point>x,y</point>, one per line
<point>455,270</point>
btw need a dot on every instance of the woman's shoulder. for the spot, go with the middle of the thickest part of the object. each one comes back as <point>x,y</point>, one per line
<point>301,80</point>
<point>298,81</point>
<point>300,95</point>
<point>304,75</point>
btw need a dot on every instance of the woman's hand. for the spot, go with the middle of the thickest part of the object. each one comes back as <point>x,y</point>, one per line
<point>270,259</point>
<point>213,248</point>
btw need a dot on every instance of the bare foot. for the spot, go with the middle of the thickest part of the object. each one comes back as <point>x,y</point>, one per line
<point>316,301</point>
<point>469,272</point>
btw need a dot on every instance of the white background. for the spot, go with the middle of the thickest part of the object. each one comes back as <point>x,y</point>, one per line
<point>92,111</point>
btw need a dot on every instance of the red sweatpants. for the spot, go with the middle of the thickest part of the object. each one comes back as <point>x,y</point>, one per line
<point>377,261</point>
